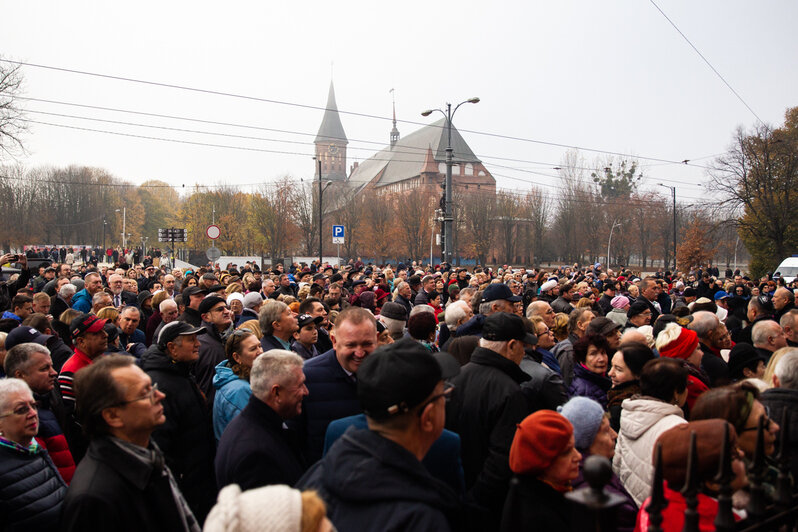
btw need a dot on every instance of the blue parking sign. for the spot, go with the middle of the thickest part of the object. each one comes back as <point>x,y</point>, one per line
<point>338,231</point>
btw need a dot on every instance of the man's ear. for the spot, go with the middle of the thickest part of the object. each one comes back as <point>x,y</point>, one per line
<point>776,381</point>
<point>111,417</point>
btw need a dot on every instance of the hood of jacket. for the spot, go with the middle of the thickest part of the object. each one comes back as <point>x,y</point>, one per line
<point>357,466</point>
<point>472,327</point>
<point>642,413</point>
<point>224,375</point>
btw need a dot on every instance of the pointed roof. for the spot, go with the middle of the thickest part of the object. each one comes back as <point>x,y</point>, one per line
<point>430,166</point>
<point>331,128</point>
<point>410,155</point>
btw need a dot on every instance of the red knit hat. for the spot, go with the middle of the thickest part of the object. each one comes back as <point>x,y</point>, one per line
<point>682,347</point>
<point>539,439</point>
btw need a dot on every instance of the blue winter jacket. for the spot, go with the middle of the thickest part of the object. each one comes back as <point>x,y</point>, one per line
<point>232,395</point>
<point>82,301</point>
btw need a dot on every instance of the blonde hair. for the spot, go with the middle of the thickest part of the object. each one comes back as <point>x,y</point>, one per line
<point>234,287</point>
<point>108,313</point>
<point>560,326</point>
<point>770,371</point>
<point>254,326</point>
<point>159,298</point>
<point>313,511</point>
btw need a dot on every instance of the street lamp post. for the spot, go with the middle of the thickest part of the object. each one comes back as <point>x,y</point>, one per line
<point>609,241</point>
<point>673,192</point>
<point>448,218</point>
<point>124,227</point>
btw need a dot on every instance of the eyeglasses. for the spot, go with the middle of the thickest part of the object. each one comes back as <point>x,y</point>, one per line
<point>220,309</point>
<point>22,410</point>
<point>148,395</point>
<point>766,425</point>
<point>446,394</point>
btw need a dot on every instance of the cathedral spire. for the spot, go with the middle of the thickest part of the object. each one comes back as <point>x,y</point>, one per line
<point>331,129</point>
<point>331,142</point>
<point>394,131</point>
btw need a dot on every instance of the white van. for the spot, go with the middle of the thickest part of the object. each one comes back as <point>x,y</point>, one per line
<point>788,268</point>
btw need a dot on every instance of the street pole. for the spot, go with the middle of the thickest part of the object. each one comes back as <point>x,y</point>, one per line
<point>673,192</point>
<point>614,225</point>
<point>321,225</point>
<point>124,225</point>
<point>448,217</point>
<point>104,224</point>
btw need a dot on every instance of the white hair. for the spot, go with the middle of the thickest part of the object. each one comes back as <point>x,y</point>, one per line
<point>11,386</point>
<point>761,331</point>
<point>270,368</point>
<point>67,290</point>
<point>418,309</point>
<point>704,322</point>
<point>787,370</point>
<point>670,333</point>
<point>165,304</point>
<point>454,314</point>
<point>498,346</point>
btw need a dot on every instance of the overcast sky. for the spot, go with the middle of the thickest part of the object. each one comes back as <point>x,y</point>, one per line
<point>605,75</point>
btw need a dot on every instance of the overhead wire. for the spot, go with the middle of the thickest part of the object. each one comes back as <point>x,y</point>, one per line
<point>707,62</point>
<point>314,107</point>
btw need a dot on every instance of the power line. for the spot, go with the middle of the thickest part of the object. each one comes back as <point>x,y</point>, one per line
<point>707,62</point>
<point>229,124</point>
<point>318,108</point>
<point>164,139</point>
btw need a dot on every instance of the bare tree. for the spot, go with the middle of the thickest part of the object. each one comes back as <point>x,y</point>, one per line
<point>478,212</point>
<point>12,120</point>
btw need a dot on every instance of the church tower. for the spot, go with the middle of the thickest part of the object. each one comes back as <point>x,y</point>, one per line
<point>331,143</point>
<point>394,131</point>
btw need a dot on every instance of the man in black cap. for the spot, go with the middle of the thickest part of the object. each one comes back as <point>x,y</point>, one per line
<point>217,320</point>
<point>192,297</point>
<point>488,394</point>
<point>373,479</point>
<point>497,297</point>
<point>639,314</point>
<point>605,301</point>
<point>186,438</point>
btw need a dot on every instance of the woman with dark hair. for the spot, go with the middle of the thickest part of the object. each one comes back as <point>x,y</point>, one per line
<point>232,378</point>
<point>590,371</point>
<point>663,392</point>
<point>739,405</point>
<point>625,368</point>
<point>421,327</point>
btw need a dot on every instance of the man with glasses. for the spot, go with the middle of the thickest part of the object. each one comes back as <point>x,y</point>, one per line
<point>186,438</point>
<point>373,478</point>
<point>122,483</point>
<point>255,449</point>
<point>217,320</point>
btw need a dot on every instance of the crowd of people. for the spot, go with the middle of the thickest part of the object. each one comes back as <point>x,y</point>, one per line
<point>378,397</point>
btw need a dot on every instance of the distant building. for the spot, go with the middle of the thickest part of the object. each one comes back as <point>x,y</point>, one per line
<point>418,160</point>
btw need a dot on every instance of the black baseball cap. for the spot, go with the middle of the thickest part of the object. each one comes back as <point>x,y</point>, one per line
<point>496,291</point>
<point>503,326</point>
<point>24,334</point>
<point>307,319</point>
<point>174,329</point>
<point>399,376</point>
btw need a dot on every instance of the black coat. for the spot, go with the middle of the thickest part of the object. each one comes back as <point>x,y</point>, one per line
<point>186,438</point>
<point>31,491</point>
<point>545,389</point>
<point>113,490</point>
<point>211,352</point>
<point>373,484</point>
<point>332,395</point>
<point>486,405</point>
<point>778,400</point>
<point>255,450</point>
<point>534,505</point>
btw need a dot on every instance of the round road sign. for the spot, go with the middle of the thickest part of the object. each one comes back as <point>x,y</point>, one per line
<point>213,232</point>
<point>213,254</point>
